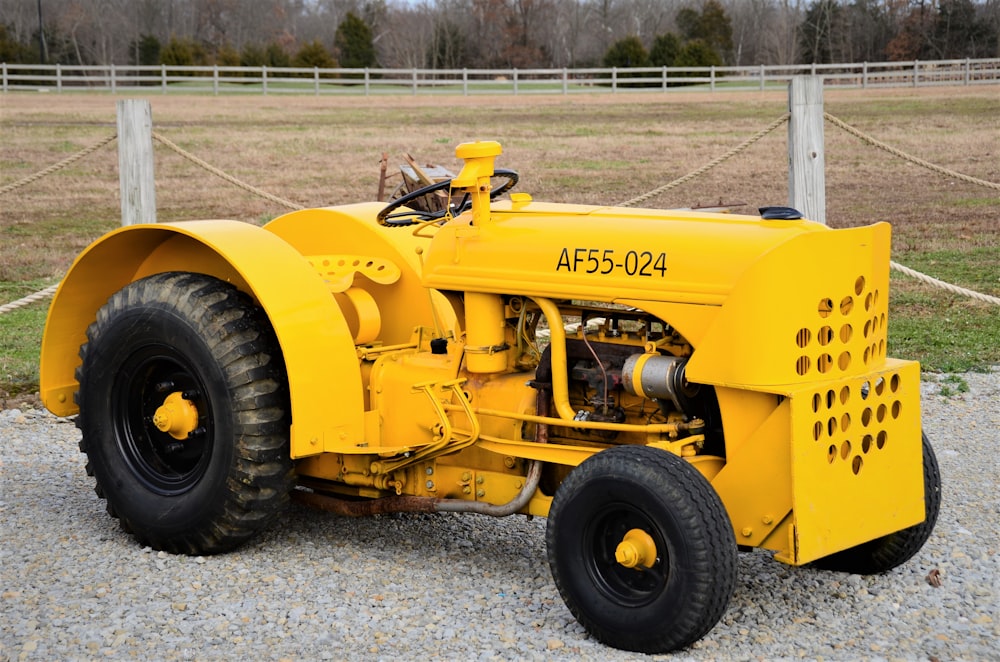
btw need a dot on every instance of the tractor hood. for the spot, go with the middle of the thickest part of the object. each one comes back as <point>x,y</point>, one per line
<point>558,251</point>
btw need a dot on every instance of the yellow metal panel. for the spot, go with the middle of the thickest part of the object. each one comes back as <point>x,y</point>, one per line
<point>351,230</point>
<point>314,337</point>
<point>604,253</point>
<point>856,459</point>
<point>755,485</point>
<point>814,308</point>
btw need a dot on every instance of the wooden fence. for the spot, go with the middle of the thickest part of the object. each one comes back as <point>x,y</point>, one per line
<point>291,80</point>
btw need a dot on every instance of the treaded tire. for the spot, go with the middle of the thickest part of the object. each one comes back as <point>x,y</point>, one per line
<point>885,553</point>
<point>684,593</point>
<point>231,476</point>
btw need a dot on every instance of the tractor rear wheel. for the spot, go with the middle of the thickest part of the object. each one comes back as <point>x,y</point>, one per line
<point>184,413</point>
<point>885,553</point>
<point>641,549</point>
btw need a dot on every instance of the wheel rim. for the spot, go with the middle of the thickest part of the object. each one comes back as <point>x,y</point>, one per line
<point>627,586</point>
<point>148,380</point>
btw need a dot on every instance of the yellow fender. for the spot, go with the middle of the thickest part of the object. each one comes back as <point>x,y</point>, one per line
<point>323,371</point>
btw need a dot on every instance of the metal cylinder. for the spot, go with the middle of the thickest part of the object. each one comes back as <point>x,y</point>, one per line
<point>657,377</point>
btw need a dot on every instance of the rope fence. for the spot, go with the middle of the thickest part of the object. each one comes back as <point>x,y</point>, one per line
<point>49,291</point>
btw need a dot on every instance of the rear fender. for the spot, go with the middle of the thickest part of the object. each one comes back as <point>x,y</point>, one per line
<point>324,376</point>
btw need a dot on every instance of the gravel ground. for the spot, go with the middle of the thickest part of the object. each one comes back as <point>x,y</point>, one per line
<point>458,586</point>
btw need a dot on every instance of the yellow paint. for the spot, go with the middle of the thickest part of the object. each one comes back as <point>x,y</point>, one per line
<point>407,376</point>
<point>176,416</point>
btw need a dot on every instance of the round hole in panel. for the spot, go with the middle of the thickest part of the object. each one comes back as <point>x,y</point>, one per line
<point>865,390</point>
<point>825,307</point>
<point>879,386</point>
<point>868,328</point>
<point>844,360</point>
<point>880,413</point>
<point>817,401</point>
<point>831,453</point>
<point>802,365</point>
<point>824,335</point>
<point>803,337</point>
<point>356,263</point>
<point>866,355</point>
<point>824,362</point>
<point>845,422</point>
<point>831,399</point>
<point>845,394</point>
<point>817,430</point>
<point>831,426</point>
<point>881,348</point>
<point>859,285</point>
<point>846,305</point>
<point>846,332</point>
<point>866,443</point>
<point>894,383</point>
<point>868,302</point>
<point>880,439</point>
<point>881,320</point>
<point>875,302</point>
<point>897,408</point>
<point>856,464</point>
<point>866,417</point>
<point>326,263</point>
<point>845,449</point>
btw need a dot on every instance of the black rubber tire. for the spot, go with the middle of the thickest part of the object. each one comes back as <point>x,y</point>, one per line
<point>885,553</point>
<point>229,480</point>
<point>685,593</point>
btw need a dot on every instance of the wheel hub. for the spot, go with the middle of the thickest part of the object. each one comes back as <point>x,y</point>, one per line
<point>636,550</point>
<point>177,416</point>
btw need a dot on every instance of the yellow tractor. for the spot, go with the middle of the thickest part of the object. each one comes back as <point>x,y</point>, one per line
<point>666,387</point>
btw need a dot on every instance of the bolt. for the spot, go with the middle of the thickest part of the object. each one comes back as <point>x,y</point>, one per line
<point>466,490</point>
<point>747,532</point>
<point>430,484</point>
<point>480,493</point>
<point>466,476</point>
<point>479,480</point>
<point>508,462</point>
<point>767,519</point>
<point>430,471</point>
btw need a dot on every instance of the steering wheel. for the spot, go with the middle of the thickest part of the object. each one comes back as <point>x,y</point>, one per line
<point>404,218</point>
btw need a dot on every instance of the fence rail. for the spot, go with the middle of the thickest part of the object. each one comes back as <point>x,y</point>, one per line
<point>297,80</point>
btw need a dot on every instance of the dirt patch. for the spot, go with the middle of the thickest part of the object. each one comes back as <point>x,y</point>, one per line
<point>20,401</point>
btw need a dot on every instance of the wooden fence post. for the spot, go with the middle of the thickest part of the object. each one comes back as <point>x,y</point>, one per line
<point>135,161</point>
<point>806,162</point>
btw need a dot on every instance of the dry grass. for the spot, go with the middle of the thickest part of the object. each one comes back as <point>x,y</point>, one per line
<point>592,148</point>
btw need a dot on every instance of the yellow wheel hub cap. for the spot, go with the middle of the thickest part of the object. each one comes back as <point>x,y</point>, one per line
<point>636,550</point>
<point>176,416</point>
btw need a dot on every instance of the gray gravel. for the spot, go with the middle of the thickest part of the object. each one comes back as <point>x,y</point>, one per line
<point>458,586</point>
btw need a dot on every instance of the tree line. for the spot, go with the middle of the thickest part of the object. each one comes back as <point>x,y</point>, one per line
<point>451,34</point>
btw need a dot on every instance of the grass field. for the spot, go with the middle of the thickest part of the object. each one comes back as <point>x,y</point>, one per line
<point>608,148</point>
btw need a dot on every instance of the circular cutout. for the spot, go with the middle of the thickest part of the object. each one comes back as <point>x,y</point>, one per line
<point>868,302</point>
<point>856,464</point>
<point>866,443</point>
<point>866,355</point>
<point>803,337</point>
<point>831,426</point>
<point>879,386</point>
<point>831,399</point>
<point>824,336</point>
<point>802,365</point>
<point>866,417</point>
<point>824,362</point>
<point>817,430</point>
<point>859,285</point>
<point>846,332</point>
<point>817,400</point>
<point>846,305</point>
<point>880,413</point>
<point>845,449</point>
<point>894,383</point>
<point>845,422</point>
<point>868,328</point>
<point>825,307</point>
<point>845,394</point>
<point>844,360</point>
<point>880,439</point>
<point>831,453</point>
<point>897,408</point>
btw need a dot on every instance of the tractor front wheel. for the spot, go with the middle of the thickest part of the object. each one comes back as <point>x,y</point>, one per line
<point>183,411</point>
<point>641,549</point>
